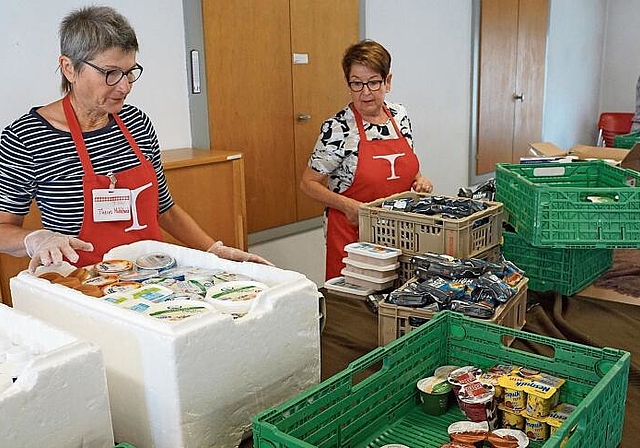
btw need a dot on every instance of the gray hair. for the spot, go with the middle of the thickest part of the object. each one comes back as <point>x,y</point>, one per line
<point>91,30</point>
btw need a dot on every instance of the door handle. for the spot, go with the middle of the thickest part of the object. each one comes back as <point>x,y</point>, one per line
<point>518,97</point>
<point>303,117</point>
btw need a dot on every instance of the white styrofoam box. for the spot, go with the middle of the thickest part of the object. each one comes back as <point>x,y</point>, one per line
<point>61,397</point>
<point>196,382</point>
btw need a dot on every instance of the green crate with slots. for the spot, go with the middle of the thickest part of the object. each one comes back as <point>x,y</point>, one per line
<point>626,141</point>
<point>581,204</point>
<point>565,270</point>
<point>351,409</point>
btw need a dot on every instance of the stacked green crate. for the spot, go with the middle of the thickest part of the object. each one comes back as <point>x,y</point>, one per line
<point>568,218</point>
<point>564,270</point>
<point>384,407</point>
<point>626,141</point>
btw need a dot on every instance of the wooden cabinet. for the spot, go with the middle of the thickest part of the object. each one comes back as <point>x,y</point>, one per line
<point>513,37</point>
<point>273,71</point>
<point>209,185</point>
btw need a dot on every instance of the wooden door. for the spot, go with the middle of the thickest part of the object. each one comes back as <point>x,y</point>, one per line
<point>248,65</point>
<point>322,30</point>
<point>511,84</point>
<point>533,22</point>
<point>257,94</point>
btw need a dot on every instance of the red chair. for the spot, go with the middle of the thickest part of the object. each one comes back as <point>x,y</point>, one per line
<point>611,124</point>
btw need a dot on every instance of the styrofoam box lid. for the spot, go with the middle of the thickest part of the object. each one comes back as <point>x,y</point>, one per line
<point>341,285</point>
<point>362,265</point>
<point>367,278</point>
<point>373,250</point>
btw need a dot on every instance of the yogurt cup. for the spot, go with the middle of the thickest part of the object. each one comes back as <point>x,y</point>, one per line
<point>178,310</point>
<point>234,297</point>
<point>499,438</point>
<point>478,403</point>
<point>155,261</point>
<point>113,266</point>
<point>434,394</point>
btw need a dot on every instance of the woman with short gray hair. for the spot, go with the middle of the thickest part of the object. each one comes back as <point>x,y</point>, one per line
<point>90,161</point>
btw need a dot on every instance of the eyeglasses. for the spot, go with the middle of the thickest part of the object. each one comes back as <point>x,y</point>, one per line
<point>113,77</point>
<point>373,85</point>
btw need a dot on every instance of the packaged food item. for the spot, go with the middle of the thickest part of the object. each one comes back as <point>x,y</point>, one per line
<point>90,290</point>
<point>470,433</point>
<point>101,280</point>
<point>367,282</point>
<point>536,429</point>
<point>224,276</point>
<point>507,438</point>
<point>491,376</point>
<point>370,270</point>
<point>340,285</point>
<point>120,287</point>
<point>234,297</point>
<point>434,394</point>
<point>558,415</point>
<point>515,399</point>
<point>152,293</point>
<point>444,371</point>
<point>70,282</point>
<point>511,419</point>
<point>463,375</point>
<point>50,276</point>
<point>456,445</point>
<point>80,273</point>
<point>113,266</point>
<point>176,310</point>
<point>155,261</point>
<point>373,254</point>
<point>477,402</point>
<point>138,276</point>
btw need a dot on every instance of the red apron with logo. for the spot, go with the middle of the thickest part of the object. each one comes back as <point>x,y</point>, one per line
<point>385,167</point>
<point>144,206</point>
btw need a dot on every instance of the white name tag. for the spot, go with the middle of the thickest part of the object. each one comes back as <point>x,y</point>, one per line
<point>111,204</point>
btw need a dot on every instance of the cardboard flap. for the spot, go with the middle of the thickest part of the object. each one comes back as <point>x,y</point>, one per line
<point>599,152</point>
<point>546,149</point>
<point>632,159</point>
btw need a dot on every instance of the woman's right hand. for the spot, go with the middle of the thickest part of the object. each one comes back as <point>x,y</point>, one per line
<point>352,211</point>
<point>49,248</point>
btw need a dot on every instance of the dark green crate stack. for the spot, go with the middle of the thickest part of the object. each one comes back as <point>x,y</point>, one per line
<point>626,141</point>
<point>566,271</point>
<point>383,408</point>
<point>567,218</point>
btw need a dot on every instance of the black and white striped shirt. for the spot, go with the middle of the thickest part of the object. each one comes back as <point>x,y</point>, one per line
<point>39,161</point>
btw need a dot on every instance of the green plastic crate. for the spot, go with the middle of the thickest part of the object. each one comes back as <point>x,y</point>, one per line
<point>565,270</point>
<point>124,445</point>
<point>549,206</point>
<point>626,141</point>
<point>349,411</point>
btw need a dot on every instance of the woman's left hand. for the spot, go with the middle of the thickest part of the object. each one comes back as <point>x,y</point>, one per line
<point>233,254</point>
<point>422,185</point>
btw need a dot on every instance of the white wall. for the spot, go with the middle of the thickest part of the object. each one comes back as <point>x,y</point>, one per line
<point>30,48</point>
<point>574,62</point>
<point>622,57</point>
<point>430,46</point>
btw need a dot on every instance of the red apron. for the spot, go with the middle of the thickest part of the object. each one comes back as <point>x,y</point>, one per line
<point>144,209</point>
<point>385,167</point>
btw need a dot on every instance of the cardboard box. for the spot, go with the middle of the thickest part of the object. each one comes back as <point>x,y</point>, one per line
<point>625,158</point>
<point>196,382</point>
